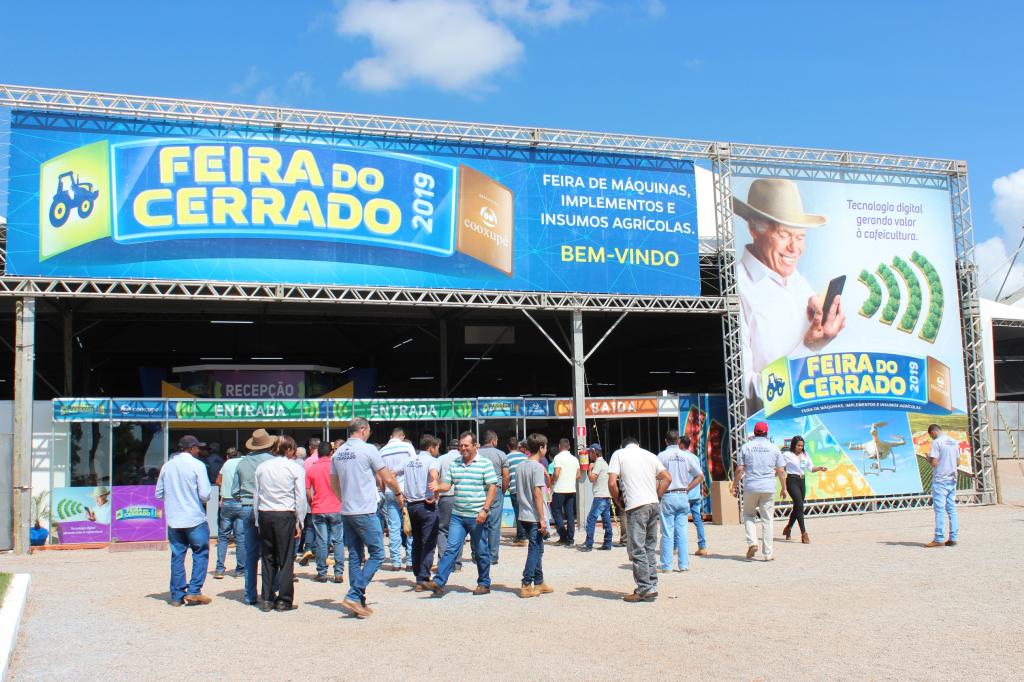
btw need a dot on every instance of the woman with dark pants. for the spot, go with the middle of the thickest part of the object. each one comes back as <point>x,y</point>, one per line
<point>798,465</point>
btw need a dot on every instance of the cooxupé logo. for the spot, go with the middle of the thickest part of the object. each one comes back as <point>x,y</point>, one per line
<point>72,195</point>
<point>489,217</point>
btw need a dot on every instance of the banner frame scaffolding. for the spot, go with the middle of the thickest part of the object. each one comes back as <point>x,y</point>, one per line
<point>717,260</point>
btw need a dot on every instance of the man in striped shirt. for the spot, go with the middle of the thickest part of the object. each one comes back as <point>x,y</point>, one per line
<point>515,458</point>
<point>475,485</point>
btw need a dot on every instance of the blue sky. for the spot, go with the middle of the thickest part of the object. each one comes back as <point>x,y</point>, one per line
<point>932,78</point>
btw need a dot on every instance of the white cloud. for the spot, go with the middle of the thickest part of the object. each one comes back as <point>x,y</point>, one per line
<point>655,8</point>
<point>452,45</point>
<point>260,86</point>
<point>1008,203</point>
<point>543,12</point>
<point>993,255</point>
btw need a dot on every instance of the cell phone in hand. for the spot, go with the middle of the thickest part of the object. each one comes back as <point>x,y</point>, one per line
<point>835,288</point>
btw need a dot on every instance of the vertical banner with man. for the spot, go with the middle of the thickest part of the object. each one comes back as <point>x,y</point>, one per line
<point>850,325</point>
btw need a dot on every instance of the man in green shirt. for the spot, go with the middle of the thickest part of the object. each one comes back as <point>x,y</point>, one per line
<point>475,485</point>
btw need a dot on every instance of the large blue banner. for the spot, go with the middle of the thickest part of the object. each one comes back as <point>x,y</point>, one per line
<point>93,198</point>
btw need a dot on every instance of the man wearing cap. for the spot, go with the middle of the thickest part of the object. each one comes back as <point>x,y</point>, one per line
<point>243,485</point>
<point>602,504</point>
<point>944,458</point>
<point>780,314</point>
<point>758,464</point>
<point>184,486</point>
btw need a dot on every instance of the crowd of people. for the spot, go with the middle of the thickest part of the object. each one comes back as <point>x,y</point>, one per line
<point>284,503</point>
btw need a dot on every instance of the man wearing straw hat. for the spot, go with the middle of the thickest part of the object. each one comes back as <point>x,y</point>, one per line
<point>780,313</point>
<point>243,487</point>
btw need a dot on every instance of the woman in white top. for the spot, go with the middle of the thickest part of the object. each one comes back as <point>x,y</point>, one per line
<point>798,465</point>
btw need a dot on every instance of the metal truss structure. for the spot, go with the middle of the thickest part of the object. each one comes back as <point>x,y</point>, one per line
<point>877,504</point>
<point>1007,324</point>
<point>716,264</point>
<point>970,314</point>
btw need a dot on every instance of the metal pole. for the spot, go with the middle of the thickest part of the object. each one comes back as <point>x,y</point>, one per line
<point>69,318</point>
<point>24,370</point>
<point>443,339</point>
<point>579,395</point>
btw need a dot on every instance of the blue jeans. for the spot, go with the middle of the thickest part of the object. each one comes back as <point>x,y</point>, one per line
<point>697,509</point>
<point>675,507</point>
<point>253,547</point>
<point>362,531</point>
<point>393,514</point>
<point>328,529</point>
<point>230,519</point>
<point>533,572</point>
<point>494,527</point>
<point>520,531</point>
<point>944,503</point>
<point>601,508</point>
<point>197,539</point>
<point>460,527</point>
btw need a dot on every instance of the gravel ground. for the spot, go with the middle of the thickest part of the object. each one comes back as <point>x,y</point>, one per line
<point>864,601</point>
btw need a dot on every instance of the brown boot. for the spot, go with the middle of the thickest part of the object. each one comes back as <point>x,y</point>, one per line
<point>805,538</point>
<point>197,600</point>
<point>542,589</point>
<point>527,591</point>
<point>481,589</point>
<point>786,531</point>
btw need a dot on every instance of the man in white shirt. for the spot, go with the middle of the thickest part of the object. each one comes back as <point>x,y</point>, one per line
<point>279,505</point>
<point>944,457</point>
<point>780,314</point>
<point>645,480</point>
<point>675,503</point>
<point>396,454</point>
<point>758,464</point>
<point>563,492</point>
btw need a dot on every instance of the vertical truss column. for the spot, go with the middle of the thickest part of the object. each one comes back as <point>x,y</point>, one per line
<point>721,168</point>
<point>970,313</point>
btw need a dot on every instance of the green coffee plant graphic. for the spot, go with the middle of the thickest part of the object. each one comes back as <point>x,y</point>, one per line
<point>67,509</point>
<point>893,289</point>
<point>930,330</point>
<point>874,299</point>
<point>913,311</point>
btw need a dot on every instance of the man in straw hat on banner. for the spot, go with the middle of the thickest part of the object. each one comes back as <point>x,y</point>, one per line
<point>780,312</point>
<point>243,487</point>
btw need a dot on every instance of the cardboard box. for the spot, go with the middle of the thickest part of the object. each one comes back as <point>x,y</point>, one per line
<point>725,509</point>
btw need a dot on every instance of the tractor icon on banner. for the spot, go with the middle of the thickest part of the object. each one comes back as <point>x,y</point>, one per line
<point>775,386</point>
<point>71,194</point>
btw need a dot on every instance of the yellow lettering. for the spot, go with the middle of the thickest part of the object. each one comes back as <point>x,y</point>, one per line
<point>335,202</point>
<point>302,168</point>
<point>228,202</point>
<point>371,180</point>
<point>264,163</point>
<point>849,364</point>
<point>190,204</point>
<point>305,209</point>
<point>236,164</point>
<point>172,162</point>
<point>865,363</point>
<point>806,388</point>
<point>267,202</point>
<point>393,216</point>
<point>813,366</point>
<point>566,253</point>
<point>343,176</point>
<point>142,211</point>
<point>209,164</point>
